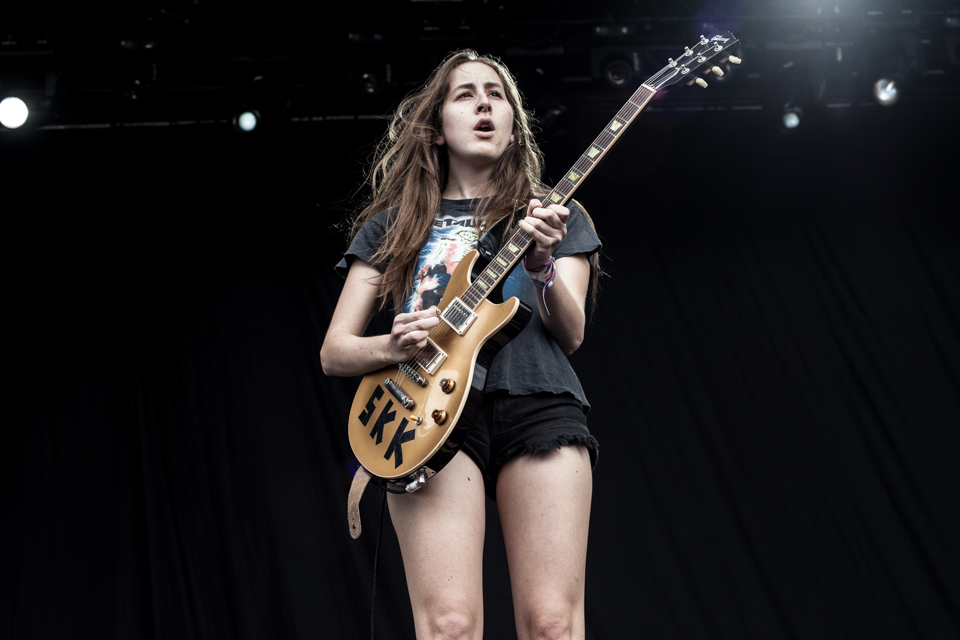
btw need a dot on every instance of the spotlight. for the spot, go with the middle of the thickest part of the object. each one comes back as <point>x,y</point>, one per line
<point>617,72</point>
<point>886,91</point>
<point>371,83</point>
<point>246,120</point>
<point>791,118</point>
<point>13,112</point>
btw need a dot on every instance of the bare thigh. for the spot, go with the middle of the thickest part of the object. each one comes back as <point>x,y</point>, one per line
<point>441,528</point>
<point>544,504</point>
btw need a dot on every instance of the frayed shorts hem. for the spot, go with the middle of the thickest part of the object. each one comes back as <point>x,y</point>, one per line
<point>508,426</point>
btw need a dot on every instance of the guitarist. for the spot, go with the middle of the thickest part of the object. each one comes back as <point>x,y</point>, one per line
<point>459,158</point>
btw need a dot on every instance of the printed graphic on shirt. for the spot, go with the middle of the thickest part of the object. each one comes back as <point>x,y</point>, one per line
<point>451,239</point>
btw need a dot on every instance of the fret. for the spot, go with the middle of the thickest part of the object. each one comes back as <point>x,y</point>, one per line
<point>514,248</point>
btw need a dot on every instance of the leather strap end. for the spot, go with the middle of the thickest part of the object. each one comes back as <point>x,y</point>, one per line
<point>360,480</point>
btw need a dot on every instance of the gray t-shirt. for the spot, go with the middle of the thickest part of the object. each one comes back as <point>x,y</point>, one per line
<point>530,363</point>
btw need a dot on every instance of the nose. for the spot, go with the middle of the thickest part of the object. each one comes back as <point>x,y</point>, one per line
<point>483,103</point>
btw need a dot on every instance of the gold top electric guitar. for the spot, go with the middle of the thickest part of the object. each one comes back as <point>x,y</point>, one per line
<point>408,420</point>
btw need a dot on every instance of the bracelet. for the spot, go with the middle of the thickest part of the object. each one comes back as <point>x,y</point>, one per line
<point>542,277</point>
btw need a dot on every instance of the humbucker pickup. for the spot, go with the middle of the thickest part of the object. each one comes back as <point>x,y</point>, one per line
<point>459,316</point>
<point>431,357</point>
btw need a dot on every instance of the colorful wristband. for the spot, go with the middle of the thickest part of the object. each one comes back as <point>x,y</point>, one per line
<point>542,277</point>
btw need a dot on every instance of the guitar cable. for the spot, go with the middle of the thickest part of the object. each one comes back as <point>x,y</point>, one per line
<point>376,555</point>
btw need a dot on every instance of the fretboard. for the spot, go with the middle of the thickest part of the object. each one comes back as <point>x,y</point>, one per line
<point>514,248</point>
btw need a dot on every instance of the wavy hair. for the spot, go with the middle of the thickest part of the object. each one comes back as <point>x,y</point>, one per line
<point>409,171</point>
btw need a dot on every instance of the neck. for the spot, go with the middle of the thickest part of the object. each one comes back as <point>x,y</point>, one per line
<point>467,183</point>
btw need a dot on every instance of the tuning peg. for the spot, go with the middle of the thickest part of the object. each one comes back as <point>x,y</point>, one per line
<point>717,70</point>
<point>701,82</point>
<point>734,60</point>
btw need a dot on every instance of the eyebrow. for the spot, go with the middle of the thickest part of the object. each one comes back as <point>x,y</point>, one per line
<point>472,85</point>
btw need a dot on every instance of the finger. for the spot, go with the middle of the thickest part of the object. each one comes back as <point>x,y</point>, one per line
<point>542,231</point>
<point>553,212</point>
<point>415,340</point>
<point>551,217</point>
<point>563,213</point>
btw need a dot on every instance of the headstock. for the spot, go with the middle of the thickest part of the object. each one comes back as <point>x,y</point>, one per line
<point>684,68</point>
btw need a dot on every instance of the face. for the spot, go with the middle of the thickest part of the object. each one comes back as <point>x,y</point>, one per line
<point>477,116</point>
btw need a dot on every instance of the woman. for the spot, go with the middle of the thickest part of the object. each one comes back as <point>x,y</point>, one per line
<point>460,157</point>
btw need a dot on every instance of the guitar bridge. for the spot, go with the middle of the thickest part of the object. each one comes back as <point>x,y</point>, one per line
<point>408,370</point>
<point>459,316</point>
<point>398,393</point>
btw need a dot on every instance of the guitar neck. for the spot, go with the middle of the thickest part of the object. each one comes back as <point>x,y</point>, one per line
<point>681,69</point>
<point>514,249</point>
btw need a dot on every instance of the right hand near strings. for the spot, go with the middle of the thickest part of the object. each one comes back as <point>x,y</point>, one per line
<point>410,331</point>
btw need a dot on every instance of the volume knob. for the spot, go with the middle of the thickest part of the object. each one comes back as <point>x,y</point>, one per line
<point>447,385</point>
<point>439,416</point>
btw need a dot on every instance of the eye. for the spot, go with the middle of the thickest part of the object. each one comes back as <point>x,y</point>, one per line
<point>463,94</point>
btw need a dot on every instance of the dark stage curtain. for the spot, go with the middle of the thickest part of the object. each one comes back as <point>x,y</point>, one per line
<point>774,369</point>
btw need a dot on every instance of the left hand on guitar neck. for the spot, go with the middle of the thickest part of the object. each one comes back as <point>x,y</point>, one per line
<point>547,226</point>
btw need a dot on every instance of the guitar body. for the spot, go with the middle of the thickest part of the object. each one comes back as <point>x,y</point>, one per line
<point>393,442</point>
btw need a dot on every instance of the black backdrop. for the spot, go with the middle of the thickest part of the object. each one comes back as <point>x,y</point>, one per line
<point>775,371</point>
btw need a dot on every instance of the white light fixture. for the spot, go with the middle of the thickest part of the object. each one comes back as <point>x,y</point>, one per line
<point>791,118</point>
<point>886,92</point>
<point>246,120</point>
<point>13,112</point>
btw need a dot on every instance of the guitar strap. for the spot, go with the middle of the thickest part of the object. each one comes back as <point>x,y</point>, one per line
<point>360,481</point>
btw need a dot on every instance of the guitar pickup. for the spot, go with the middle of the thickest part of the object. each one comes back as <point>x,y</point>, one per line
<point>431,357</point>
<point>459,316</point>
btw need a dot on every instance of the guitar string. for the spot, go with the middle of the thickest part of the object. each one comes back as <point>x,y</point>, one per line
<point>472,295</point>
<point>582,167</point>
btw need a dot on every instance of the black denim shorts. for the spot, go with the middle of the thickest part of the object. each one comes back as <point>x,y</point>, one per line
<point>507,426</point>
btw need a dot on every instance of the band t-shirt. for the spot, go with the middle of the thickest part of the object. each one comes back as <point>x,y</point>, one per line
<point>530,363</point>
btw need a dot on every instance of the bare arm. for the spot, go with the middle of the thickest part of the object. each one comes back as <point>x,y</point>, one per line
<point>566,301</point>
<point>564,315</point>
<point>346,351</point>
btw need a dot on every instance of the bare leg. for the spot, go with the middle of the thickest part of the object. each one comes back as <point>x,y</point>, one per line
<point>544,502</point>
<point>441,529</point>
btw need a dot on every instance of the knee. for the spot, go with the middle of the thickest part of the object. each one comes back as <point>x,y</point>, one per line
<point>455,625</point>
<point>550,625</point>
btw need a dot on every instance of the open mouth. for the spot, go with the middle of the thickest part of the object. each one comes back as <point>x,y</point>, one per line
<point>484,125</point>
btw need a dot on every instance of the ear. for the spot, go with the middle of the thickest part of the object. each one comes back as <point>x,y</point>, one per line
<point>513,138</point>
<point>439,141</point>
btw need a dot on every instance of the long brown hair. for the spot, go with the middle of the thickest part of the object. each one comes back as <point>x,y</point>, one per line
<point>409,172</point>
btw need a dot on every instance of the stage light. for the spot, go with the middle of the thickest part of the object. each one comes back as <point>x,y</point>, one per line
<point>371,82</point>
<point>13,112</point>
<point>886,91</point>
<point>246,120</point>
<point>617,72</point>
<point>791,118</point>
